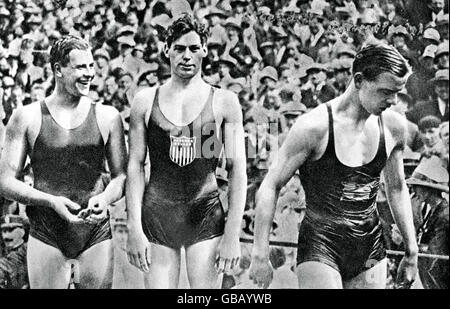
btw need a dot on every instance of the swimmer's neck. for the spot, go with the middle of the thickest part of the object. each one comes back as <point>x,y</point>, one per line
<point>62,98</point>
<point>180,84</point>
<point>349,105</point>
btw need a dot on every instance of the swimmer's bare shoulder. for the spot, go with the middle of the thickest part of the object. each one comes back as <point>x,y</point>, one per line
<point>26,121</point>
<point>309,134</point>
<point>142,104</point>
<point>226,106</point>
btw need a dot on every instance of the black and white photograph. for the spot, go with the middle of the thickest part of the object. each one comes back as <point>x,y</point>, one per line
<point>240,145</point>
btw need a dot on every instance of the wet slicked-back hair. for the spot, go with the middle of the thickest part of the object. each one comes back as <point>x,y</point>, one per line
<point>183,25</point>
<point>375,59</point>
<point>62,47</point>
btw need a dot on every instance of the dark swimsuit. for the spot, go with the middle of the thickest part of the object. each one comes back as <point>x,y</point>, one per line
<point>341,226</point>
<point>68,163</point>
<point>181,201</point>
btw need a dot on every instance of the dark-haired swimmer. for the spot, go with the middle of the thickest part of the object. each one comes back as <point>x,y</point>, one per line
<point>181,123</point>
<point>68,138</point>
<point>340,149</point>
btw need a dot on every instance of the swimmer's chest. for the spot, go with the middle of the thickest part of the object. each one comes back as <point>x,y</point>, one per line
<point>356,148</point>
<point>183,108</point>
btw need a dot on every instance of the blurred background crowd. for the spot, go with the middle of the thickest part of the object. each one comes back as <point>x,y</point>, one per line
<point>282,58</point>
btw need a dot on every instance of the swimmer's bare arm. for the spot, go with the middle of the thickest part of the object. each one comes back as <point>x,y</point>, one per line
<point>116,155</point>
<point>300,144</point>
<point>14,153</point>
<point>398,195</point>
<point>137,246</point>
<point>229,250</point>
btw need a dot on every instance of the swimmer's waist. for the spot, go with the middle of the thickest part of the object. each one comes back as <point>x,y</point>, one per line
<point>171,201</point>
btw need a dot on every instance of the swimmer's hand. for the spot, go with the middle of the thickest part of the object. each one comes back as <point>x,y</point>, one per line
<point>228,255</point>
<point>138,249</point>
<point>407,271</point>
<point>261,272</point>
<point>66,209</point>
<point>97,210</point>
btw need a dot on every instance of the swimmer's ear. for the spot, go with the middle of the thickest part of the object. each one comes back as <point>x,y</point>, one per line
<point>166,50</point>
<point>57,69</point>
<point>358,79</point>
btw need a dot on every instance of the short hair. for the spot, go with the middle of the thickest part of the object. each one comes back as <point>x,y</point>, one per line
<point>428,122</point>
<point>375,59</point>
<point>62,47</point>
<point>183,25</point>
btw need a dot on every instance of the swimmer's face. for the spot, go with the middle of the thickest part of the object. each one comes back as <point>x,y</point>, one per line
<point>186,55</point>
<point>77,75</point>
<point>378,95</point>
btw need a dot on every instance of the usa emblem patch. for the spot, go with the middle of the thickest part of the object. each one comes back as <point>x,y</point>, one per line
<point>182,150</point>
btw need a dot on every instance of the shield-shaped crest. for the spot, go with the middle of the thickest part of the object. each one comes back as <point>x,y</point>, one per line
<point>182,150</point>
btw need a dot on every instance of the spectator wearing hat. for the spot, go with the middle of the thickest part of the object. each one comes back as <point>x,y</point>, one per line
<point>442,27</point>
<point>101,58</point>
<point>268,53</point>
<point>215,19</point>
<point>226,65</point>
<point>429,185</point>
<point>235,46</point>
<point>215,50</point>
<point>418,83</point>
<point>431,37</point>
<point>313,32</point>
<point>13,266</point>
<point>441,56</point>
<point>239,7</point>
<point>404,103</point>
<point>317,90</point>
<point>267,95</point>
<point>438,105</point>
<point>399,38</point>
<point>342,74</point>
<point>126,44</point>
<point>290,112</point>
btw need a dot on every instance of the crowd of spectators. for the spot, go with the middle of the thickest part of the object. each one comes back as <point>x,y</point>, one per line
<point>282,58</point>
